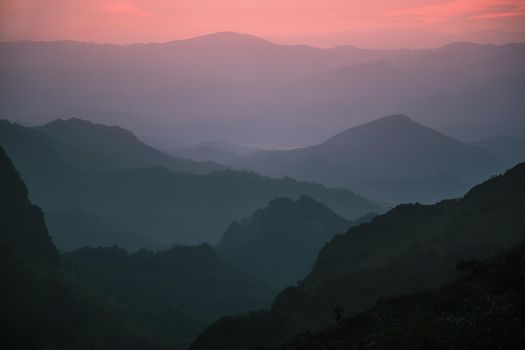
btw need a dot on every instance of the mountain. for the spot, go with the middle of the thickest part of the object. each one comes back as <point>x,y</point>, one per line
<point>41,306</point>
<point>174,293</point>
<point>107,298</point>
<point>392,159</point>
<point>280,242</point>
<point>87,204</point>
<point>483,309</point>
<point>510,148</point>
<point>117,147</point>
<point>410,248</point>
<point>243,89</point>
<point>24,235</point>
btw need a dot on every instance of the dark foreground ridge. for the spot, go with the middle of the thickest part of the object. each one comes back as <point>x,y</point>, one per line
<point>484,309</point>
<point>41,307</point>
<point>411,248</point>
<point>290,232</point>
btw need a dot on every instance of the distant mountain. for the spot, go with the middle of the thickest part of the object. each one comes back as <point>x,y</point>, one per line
<point>410,248</point>
<point>510,148</point>
<point>174,293</point>
<point>87,204</point>
<point>118,147</point>
<point>482,310</point>
<point>392,159</point>
<point>107,298</point>
<point>243,89</point>
<point>41,306</point>
<point>280,242</point>
<point>217,151</point>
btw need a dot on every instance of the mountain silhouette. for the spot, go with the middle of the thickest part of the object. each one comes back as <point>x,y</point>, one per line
<point>392,159</point>
<point>24,235</point>
<point>481,310</point>
<point>117,146</point>
<point>88,204</point>
<point>410,248</point>
<point>244,89</point>
<point>84,299</point>
<point>280,242</point>
<point>41,306</point>
<point>174,293</point>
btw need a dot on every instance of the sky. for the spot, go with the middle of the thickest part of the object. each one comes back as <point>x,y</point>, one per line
<point>128,21</point>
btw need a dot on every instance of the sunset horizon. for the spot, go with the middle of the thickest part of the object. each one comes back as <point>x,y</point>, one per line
<point>262,174</point>
<point>375,24</point>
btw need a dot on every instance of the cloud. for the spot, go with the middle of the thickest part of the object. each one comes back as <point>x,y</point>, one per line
<point>465,9</point>
<point>499,15</point>
<point>124,8</point>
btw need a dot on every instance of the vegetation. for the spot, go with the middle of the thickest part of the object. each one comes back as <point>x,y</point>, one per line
<point>391,159</point>
<point>43,307</point>
<point>267,243</point>
<point>176,293</point>
<point>410,248</point>
<point>144,207</point>
<point>483,309</point>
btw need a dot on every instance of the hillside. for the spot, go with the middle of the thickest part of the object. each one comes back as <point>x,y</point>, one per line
<point>280,242</point>
<point>41,306</point>
<point>483,309</point>
<point>88,205</point>
<point>392,159</point>
<point>118,147</point>
<point>410,248</point>
<point>174,293</point>
<point>242,89</point>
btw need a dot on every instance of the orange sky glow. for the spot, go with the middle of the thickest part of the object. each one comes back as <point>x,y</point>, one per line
<point>163,20</point>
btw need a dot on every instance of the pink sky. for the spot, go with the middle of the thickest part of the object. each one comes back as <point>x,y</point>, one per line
<point>163,20</point>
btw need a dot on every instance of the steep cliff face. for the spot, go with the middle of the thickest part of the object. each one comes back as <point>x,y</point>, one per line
<point>23,232</point>
<point>410,248</point>
<point>41,307</point>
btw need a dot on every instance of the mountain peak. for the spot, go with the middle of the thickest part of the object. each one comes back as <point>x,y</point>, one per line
<point>81,130</point>
<point>394,118</point>
<point>385,126</point>
<point>75,122</point>
<point>228,38</point>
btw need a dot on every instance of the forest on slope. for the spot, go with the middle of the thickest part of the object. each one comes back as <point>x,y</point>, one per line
<point>410,248</point>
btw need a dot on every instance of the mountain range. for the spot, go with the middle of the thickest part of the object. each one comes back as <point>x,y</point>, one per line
<point>175,293</point>
<point>266,243</point>
<point>42,307</point>
<point>115,148</point>
<point>84,299</point>
<point>100,186</point>
<point>410,248</point>
<point>226,192</point>
<point>246,90</point>
<point>482,310</point>
<point>392,160</point>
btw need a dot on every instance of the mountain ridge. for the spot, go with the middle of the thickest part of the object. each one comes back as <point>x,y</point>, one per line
<point>162,83</point>
<point>274,231</point>
<point>410,248</point>
<point>387,149</point>
<point>143,205</point>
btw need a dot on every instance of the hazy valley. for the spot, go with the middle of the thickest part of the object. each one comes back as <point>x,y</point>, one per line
<point>227,192</point>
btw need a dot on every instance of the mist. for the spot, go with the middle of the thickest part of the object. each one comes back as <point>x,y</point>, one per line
<point>211,175</point>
